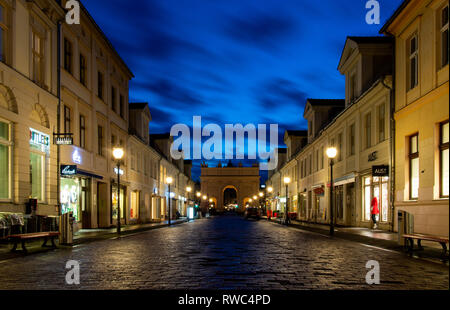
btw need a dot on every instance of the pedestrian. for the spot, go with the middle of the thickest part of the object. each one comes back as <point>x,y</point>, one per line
<point>374,211</point>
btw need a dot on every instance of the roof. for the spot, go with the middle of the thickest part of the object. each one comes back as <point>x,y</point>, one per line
<point>160,136</point>
<point>326,102</point>
<point>297,133</point>
<point>138,105</point>
<point>370,40</point>
<point>394,16</point>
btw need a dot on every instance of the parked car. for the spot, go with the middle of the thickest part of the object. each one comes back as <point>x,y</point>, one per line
<point>252,212</point>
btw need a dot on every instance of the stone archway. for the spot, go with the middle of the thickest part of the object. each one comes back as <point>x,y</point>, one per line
<point>245,180</point>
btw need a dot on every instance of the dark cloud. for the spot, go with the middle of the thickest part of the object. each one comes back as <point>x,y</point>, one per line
<point>170,91</point>
<point>262,31</point>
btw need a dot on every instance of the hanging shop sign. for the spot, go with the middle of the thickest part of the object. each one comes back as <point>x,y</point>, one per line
<point>319,191</point>
<point>68,170</point>
<point>380,171</point>
<point>63,138</point>
<point>40,140</point>
<point>373,156</point>
<point>76,157</point>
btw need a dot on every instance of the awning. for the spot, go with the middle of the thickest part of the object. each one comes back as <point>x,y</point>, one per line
<point>88,174</point>
<point>349,178</point>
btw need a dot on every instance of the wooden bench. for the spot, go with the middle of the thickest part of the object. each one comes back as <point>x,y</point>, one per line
<point>419,237</point>
<point>40,235</point>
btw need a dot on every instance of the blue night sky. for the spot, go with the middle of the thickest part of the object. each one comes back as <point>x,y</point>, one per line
<point>233,61</point>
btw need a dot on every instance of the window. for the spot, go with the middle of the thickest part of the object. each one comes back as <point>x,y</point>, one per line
<point>368,130</point>
<point>351,140</point>
<point>414,167</point>
<point>100,140</point>
<point>113,141</point>
<point>3,33</point>
<point>100,85</point>
<point>301,169</point>
<point>413,61</point>
<point>68,55</point>
<point>5,156</point>
<point>83,68</point>
<point>67,124</point>
<point>113,99</point>
<point>310,164</point>
<point>121,107</point>
<point>317,160</point>
<point>381,123</point>
<point>339,147</point>
<point>444,160</point>
<point>37,175</point>
<point>37,51</point>
<point>322,155</point>
<point>444,37</point>
<point>352,87</point>
<point>133,159</point>
<point>82,131</point>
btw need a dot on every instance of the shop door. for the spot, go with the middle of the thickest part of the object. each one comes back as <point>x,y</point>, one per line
<point>351,205</point>
<point>84,204</point>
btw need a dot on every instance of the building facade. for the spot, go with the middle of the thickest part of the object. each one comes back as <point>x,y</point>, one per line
<point>359,128</point>
<point>95,117</point>
<point>420,29</point>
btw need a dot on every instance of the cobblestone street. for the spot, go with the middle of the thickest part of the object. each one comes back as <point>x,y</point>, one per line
<point>222,253</point>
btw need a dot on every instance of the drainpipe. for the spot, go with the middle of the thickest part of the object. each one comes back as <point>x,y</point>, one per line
<point>392,138</point>
<point>58,118</point>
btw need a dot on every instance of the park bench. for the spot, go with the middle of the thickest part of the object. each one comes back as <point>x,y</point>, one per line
<point>409,238</point>
<point>32,236</point>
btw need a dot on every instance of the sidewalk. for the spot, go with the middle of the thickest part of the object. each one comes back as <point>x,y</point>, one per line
<point>373,237</point>
<point>84,236</point>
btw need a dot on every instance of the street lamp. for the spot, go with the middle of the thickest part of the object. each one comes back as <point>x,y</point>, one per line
<point>269,213</point>
<point>287,180</point>
<point>331,153</point>
<point>118,155</point>
<point>169,181</point>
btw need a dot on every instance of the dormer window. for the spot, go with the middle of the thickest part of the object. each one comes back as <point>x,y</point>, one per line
<point>352,87</point>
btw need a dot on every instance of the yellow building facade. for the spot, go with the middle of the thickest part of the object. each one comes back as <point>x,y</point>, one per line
<point>421,114</point>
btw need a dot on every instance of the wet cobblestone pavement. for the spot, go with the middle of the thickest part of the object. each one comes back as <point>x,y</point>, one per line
<point>222,253</point>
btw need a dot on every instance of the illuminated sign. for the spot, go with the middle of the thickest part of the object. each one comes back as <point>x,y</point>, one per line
<point>40,140</point>
<point>68,170</point>
<point>120,171</point>
<point>63,139</point>
<point>380,171</point>
<point>76,157</point>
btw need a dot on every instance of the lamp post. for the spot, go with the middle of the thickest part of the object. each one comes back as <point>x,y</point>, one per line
<point>331,153</point>
<point>118,155</point>
<point>287,180</point>
<point>269,214</point>
<point>169,181</point>
<point>188,190</point>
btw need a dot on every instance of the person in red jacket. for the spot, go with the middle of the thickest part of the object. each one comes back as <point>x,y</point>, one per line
<point>374,211</point>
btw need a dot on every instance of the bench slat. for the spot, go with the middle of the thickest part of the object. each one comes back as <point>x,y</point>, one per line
<point>34,235</point>
<point>426,237</point>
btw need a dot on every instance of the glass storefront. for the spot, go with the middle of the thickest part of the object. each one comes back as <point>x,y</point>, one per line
<point>70,197</point>
<point>39,151</point>
<point>376,187</point>
<point>75,197</point>
<point>134,208</point>
<point>114,202</point>
<point>5,145</point>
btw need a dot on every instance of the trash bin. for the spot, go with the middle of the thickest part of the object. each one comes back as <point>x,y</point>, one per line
<point>66,229</point>
<point>405,222</point>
